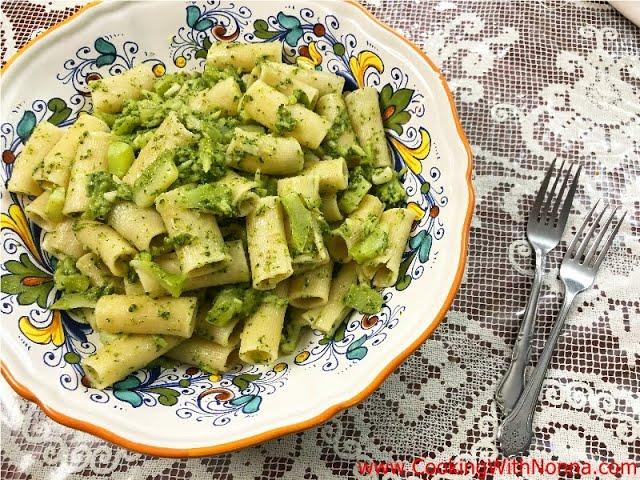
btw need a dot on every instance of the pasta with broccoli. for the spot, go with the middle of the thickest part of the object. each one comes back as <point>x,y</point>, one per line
<point>212,217</point>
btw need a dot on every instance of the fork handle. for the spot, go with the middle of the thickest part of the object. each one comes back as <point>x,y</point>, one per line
<point>516,431</point>
<point>512,382</point>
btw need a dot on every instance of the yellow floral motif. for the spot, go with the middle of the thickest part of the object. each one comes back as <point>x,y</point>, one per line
<point>52,333</point>
<point>362,63</point>
<point>17,223</point>
<point>159,70</point>
<point>302,356</point>
<point>413,155</point>
<point>215,378</point>
<point>314,59</point>
<point>416,209</point>
<point>279,367</point>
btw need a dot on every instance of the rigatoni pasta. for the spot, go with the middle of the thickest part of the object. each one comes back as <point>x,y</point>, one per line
<point>261,334</point>
<point>268,252</point>
<point>142,227</point>
<point>364,112</point>
<point>198,215</point>
<point>109,94</point>
<point>108,244</point>
<point>63,241</point>
<point>57,163</point>
<point>142,314</point>
<point>91,157</point>
<point>43,138</point>
<point>205,250</point>
<point>123,355</point>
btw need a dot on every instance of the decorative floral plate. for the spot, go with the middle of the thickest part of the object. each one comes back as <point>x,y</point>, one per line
<point>183,411</point>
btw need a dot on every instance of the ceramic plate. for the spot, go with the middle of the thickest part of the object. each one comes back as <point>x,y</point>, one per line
<point>183,411</point>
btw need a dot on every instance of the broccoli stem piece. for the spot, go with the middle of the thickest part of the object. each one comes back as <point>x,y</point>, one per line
<point>291,335</point>
<point>353,195</point>
<point>300,223</point>
<point>233,302</point>
<point>55,204</point>
<point>120,156</point>
<point>171,282</point>
<point>363,298</point>
<point>370,246</point>
<point>210,197</point>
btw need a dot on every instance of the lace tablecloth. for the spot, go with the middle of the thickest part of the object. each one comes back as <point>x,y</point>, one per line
<point>533,81</point>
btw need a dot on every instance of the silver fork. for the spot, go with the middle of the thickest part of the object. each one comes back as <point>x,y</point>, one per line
<point>546,223</point>
<point>577,272</point>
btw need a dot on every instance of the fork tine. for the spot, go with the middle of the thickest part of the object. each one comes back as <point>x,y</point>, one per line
<point>605,249</point>
<point>576,238</point>
<point>568,200</point>
<point>596,242</point>
<point>547,203</point>
<point>589,234</point>
<point>535,209</point>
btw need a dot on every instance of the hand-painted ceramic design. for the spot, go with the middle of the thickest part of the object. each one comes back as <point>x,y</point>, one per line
<point>200,413</point>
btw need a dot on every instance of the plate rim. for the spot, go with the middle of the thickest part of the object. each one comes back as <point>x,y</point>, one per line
<point>333,409</point>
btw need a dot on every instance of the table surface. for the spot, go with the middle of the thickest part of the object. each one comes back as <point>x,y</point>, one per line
<point>533,81</point>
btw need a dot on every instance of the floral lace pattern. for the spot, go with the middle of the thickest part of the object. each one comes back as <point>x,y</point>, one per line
<point>533,81</point>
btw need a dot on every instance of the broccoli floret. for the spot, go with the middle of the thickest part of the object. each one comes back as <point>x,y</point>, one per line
<point>392,194</point>
<point>70,301</point>
<point>167,81</point>
<point>76,288</point>
<point>212,75</point>
<point>267,186</point>
<point>147,112</point>
<point>233,302</point>
<point>68,278</point>
<point>285,121</point>
<point>171,282</point>
<point>104,191</point>
<point>210,197</point>
<point>363,298</point>
<point>206,161</point>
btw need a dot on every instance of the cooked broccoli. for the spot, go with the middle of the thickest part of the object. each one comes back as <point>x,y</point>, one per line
<point>212,75</point>
<point>68,278</point>
<point>363,298</point>
<point>86,299</point>
<point>171,282</point>
<point>358,187</point>
<point>285,122</point>
<point>104,191</point>
<point>206,161</point>
<point>373,243</point>
<point>391,193</point>
<point>76,288</point>
<point>267,186</point>
<point>210,197</point>
<point>300,223</point>
<point>233,302</point>
<point>169,80</point>
<point>291,334</point>
<point>169,244</point>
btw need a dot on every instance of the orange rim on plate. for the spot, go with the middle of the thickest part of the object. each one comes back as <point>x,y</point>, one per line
<point>332,410</point>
